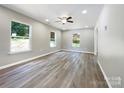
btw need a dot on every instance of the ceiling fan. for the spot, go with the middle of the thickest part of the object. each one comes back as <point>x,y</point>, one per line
<point>64,20</point>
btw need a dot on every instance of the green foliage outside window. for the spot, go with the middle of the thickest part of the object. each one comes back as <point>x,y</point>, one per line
<point>19,29</point>
<point>76,40</point>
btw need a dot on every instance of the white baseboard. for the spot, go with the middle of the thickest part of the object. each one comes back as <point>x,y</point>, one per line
<point>104,74</point>
<point>77,51</point>
<point>27,60</point>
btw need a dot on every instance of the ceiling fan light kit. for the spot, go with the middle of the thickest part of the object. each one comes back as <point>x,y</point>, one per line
<point>64,20</point>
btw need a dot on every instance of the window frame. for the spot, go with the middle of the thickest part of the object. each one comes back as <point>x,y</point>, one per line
<point>50,39</point>
<point>72,40</point>
<point>30,37</point>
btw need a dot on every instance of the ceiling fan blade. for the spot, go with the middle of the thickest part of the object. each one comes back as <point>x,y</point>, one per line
<point>70,21</point>
<point>69,18</point>
<point>59,18</point>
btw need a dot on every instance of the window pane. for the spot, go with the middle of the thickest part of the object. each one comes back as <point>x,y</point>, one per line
<point>76,40</point>
<point>52,39</point>
<point>19,37</point>
<point>52,35</point>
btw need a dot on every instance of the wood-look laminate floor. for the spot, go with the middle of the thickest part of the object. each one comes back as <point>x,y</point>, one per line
<point>58,70</point>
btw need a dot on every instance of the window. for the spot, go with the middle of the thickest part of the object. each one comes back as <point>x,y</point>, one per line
<point>52,39</point>
<point>20,37</point>
<point>76,40</point>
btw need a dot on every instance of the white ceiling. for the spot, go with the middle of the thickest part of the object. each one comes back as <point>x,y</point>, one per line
<point>41,12</point>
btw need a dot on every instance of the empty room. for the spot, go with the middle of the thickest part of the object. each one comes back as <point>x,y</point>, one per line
<point>61,46</point>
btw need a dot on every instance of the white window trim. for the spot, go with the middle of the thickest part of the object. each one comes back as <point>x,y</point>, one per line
<point>30,38</point>
<point>55,40</point>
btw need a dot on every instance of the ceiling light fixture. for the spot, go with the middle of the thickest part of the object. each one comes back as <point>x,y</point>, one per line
<point>47,20</point>
<point>84,11</point>
<point>64,21</point>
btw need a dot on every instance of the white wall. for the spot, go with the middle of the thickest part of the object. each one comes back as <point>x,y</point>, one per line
<point>111,42</point>
<point>86,40</point>
<point>40,37</point>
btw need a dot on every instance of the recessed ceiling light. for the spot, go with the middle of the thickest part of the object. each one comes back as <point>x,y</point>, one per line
<point>84,11</point>
<point>47,20</point>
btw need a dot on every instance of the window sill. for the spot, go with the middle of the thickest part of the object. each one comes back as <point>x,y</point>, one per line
<point>12,53</point>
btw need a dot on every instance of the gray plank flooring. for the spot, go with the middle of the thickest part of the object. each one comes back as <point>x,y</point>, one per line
<point>58,70</point>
